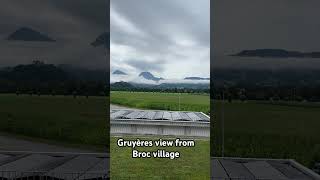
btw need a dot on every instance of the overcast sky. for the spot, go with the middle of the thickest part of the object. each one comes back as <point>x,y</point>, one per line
<point>169,38</point>
<point>73,24</point>
<point>247,24</point>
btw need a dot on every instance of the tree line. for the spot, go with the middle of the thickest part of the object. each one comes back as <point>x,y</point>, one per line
<point>39,78</point>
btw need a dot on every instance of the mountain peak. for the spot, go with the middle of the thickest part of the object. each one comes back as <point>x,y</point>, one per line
<point>118,72</point>
<point>196,78</point>
<point>149,76</point>
<point>102,39</point>
<point>28,34</point>
<point>146,73</point>
<point>277,53</point>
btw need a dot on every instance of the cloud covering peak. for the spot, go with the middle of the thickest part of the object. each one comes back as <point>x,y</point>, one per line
<point>169,37</point>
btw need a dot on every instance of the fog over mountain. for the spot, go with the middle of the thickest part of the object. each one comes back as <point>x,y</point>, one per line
<point>28,34</point>
<point>268,48</point>
<point>267,24</point>
<point>118,72</point>
<point>277,53</point>
<point>54,31</point>
<point>168,38</point>
<point>148,78</point>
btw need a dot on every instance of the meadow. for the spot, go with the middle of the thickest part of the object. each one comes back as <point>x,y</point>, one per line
<point>194,162</point>
<point>162,101</point>
<point>72,121</point>
<point>260,129</point>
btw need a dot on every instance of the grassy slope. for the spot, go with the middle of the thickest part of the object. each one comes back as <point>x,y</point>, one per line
<point>59,118</point>
<point>194,163</point>
<point>163,101</point>
<point>254,129</point>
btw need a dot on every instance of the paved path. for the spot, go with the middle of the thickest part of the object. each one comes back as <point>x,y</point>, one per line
<point>13,144</point>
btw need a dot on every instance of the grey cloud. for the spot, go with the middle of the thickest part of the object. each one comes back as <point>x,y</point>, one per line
<point>160,29</point>
<point>143,66</point>
<point>153,16</point>
<point>247,24</point>
<point>73,24</point>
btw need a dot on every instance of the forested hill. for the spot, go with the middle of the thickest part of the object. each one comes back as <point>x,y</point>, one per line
<point>263,84</point>
<point>41,78</point>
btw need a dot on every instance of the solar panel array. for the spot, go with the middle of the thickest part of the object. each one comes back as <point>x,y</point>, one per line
<point>252,169</point>
<point>158,115</point>
<point>55,166</point>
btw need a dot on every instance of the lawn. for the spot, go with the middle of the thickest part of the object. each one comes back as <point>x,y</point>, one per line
<point>261,129</point>
<point>76,121</point>
<point>194,162</point>
<point>162,101</point>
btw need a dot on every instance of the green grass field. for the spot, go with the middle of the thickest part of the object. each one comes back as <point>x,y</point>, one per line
<point>76,121</point>
<point>260,129</point>
<point>194,163</point>
<point>162,101</point>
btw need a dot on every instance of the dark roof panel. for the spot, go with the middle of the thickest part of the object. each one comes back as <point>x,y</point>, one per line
<point>3,157</point>
<point>54,165</point>
<point>289,170</point>
<point>263,170</point>
<point>218,172</point>
<point>236,170</point>
<point>266,169</point>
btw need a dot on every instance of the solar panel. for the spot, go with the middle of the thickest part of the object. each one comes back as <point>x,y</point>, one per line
<point>193,116</point>
<point>263,170</point>
<point>78,164</point>
<point>157,122</point>
<point>149,115</point>
<point>29,165</point>
<point>3,157</point>
<point>96,171</point>
<point>142,114</point>
<point>288,170</point>
<point>252,168</point>
<point>184,116</point>
<point>118,114</point>
<point>167,115</point>
<point>35,161</point>
<point>218,171</point>
<point>176,116</point>
<point>202,117</point>
<point>236,170</point>
<point>132,115</point>
<point>158,115</point>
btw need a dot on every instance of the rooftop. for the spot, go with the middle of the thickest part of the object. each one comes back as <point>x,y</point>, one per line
<point>259,169</point>
<point>18,165</point>
<point>160,123</point>
<point>154,115</point>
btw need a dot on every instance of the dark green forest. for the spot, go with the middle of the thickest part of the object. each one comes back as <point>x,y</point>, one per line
<point>39,78</point>
<point>264,84</point>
